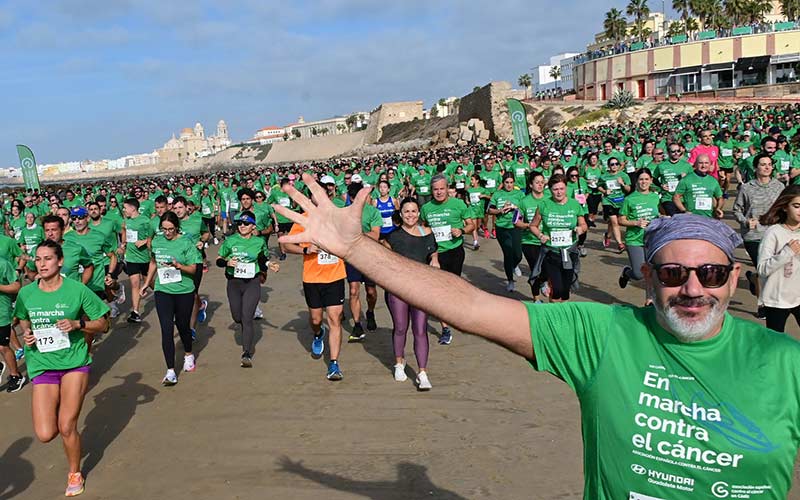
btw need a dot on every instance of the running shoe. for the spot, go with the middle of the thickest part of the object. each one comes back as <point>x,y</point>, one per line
<point>2,371</point>
<point>446,337</point>
<point>621,247</point>
<point>582,251</point>
<point>194,334</point>
<point>169,379</point>
<point>494,234</point>
<point>545,289</point>
<point>19,353</point>
<point>751,282</point>
<point>134,317</point>
<point>15,383</point>
<point>121,296</point>
<point>259,314</point>
<point>216,240</point>
<point>201,314</point>
<point>114,309</point>
<point>486,234</point>
<point>74,484</point>
<point>318,344</point>
<point>358,334</point>
<point>606,241</point>
<point>188,363</point>
<point>371,324</point>
<point>761,313</point>
<point>423,383</point>
<point>517,272</point>
<point>400,372</point>
<point>510,287</point>
<point>476,245</point>
<point>247,360</point>
<point>334,373</point>
<point>623,278</point>
<point>282,257</point>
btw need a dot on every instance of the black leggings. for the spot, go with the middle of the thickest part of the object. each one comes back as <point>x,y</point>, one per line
<point>243,297</point>
<point>174,310</point>
<point>531,253</point>
<point>452,261</point>
<point>776,318</point>
<point>560,278</point>
<point>210,224</point>
<point>510,240</point>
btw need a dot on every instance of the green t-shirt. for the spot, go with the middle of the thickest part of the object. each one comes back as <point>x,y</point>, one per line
<point>207,206</point>
<point>638,206</point>
<point>193,227</point>
<point>422,183</point>
<point>31,237</point>
<point>137,229</point>
<point>698,193</point>
<point>97,245</point>
<point>614,193</point>
<point>476,206</point>
<point>491,180</point>
<point>669,174</point>
<point>442,217</point>
<point>16,224</point>
<point>54,350</point>
<point>725,159</point>
<point>370,218</point>
<point>169,279</point>
<point>246,251</point>
<point>527,209</point>
<point>147,208</point>
<point>9,249</point>
<point>559,222</point>
<point>499,199</point>
<point>8,275</point>
<point>592,176</point>
<point>278,197</point>
<point>663,419</point>
<point>263,213</point>
<point>75,259</point>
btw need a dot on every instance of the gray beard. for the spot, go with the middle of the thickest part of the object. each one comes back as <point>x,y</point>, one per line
<point>690,330</point>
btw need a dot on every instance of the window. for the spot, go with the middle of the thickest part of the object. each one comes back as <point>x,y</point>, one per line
<point>787,72</point>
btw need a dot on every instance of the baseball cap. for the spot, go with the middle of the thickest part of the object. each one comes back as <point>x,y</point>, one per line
<point>356,178</point>
<point>78,212</point>
<point>292,177</point>
<point>327,179</point>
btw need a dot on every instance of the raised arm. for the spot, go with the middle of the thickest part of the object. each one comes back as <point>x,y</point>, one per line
<point>338,231</point>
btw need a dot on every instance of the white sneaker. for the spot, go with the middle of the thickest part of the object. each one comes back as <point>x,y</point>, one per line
<point>423,384</point>
<point>114,309</point>
<point>216,241</point>
<point>188,363</point>
<point>517,272</point>
<point>400,372</point>
<point>205,244</point>
<point>510,287</point>
<point>170,378</point>
<point>121,297</point>
<point>259,314</point>
<point>545,290</point>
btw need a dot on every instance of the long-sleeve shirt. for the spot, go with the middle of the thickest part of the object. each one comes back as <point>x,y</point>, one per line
<point>753,201</point>
<point>779,268</point>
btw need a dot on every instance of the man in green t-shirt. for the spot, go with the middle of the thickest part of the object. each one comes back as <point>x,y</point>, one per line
<point>449,219</point>
<point>137,233</point>
<point>678,400</point>
<point>698,192</point>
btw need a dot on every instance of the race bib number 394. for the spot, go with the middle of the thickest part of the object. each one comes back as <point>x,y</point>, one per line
<point>244,270</point>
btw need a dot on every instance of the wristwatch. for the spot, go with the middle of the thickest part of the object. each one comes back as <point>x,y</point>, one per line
<point>305,250</point>
<point>82,323</point>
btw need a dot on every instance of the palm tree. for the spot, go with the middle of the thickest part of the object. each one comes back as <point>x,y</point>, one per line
<point>555,72</point>
<point>736,10</point>
<point>682,6</point>
<point>790,9</point>
<point>692,25</point>
<point>715,15</point>
<point>701,9</point>
<point>640,11</point>
<point>615,25</point>
<point>675,28</point>
<point>525,82</point>
<point>755,10</point>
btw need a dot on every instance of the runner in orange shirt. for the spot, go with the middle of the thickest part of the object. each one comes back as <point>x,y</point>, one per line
<point>323,286</point>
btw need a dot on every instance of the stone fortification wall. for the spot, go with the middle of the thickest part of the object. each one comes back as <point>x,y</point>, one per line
<point>389,113</point>
<point>488,104</point>
<point>316,148</point>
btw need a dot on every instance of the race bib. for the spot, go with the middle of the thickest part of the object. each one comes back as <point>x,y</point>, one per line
<point>326,259</point>
<point>612,185</point>
<point>244,270</point>
<point>459,185</point>
<point>234,205</point>
<point>490,183</point>
<point>592,183</point>
<point>206,210</point>
<point>726,152</point>
<point>672,186</point>
<point>474,198</point>
<point>424,189</point>
<point>785,165</point>
<point>745,155</point>
<point>131,235</point>
<point>561,238</point>
<point>284,202</point>
<point>167,275</point>
<point>630,168</point>
<point>387,222</point>
<point>702,203</point>
<point>520,172</point>
<point>442,233</point>
<point>17,234</point>
<point>581,198</point>
<point>51,339</point>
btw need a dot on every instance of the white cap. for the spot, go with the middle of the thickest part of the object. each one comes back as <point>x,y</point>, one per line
<point>327,179</point>
<point>567,152</point>
<point>556,154</point>
<point>356,178</point>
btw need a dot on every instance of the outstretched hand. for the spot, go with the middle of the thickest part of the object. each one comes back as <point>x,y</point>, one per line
<point>335,230</point>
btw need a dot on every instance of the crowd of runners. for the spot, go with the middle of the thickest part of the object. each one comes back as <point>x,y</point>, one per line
<point>65,249</point>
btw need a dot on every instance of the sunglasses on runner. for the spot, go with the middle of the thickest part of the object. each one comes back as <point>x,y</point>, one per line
<point>709,275</point>
<point>612,164</point>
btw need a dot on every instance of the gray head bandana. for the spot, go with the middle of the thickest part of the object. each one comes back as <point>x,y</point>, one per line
<point>688,226</point>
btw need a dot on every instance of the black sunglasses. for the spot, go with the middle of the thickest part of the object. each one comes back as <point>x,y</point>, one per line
<point>79,217</point>
<point>709,275</point>
<point>612,164</point>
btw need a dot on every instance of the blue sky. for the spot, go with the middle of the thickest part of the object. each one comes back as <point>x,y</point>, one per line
<point>92,79</point>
